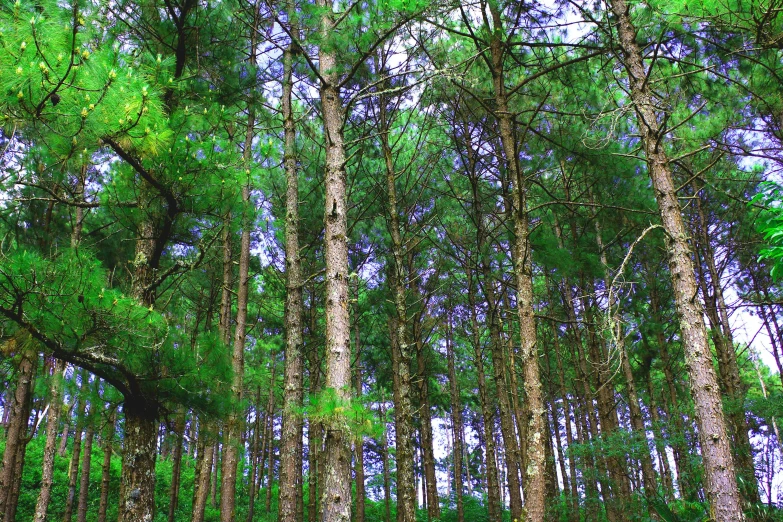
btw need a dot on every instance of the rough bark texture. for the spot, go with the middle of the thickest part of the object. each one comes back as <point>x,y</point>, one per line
<point>55,405</point>
<point>290,464</point>
<point>720,478</point>
<point>138,462</point>
<point>16,432</point>
<point>535,473</point>
<point>203,477</point>
<point>176,466</point>
<point>336,494</point>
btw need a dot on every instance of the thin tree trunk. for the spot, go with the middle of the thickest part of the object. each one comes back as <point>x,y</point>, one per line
<point>176,467</point>
<point>359,443</point>
<point>720,478</point>
<point>493,487</point>
<point>108,438</point>
<point>403,410</point>
<point>456,420</point>
<point>73,468</point>
<point>253,479</point>
<point>55,405</point>
<point>84,479</point>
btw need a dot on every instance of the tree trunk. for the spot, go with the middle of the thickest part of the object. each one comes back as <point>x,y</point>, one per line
<point>73,468</point>
<point>55,405</point>
<point>359,443</point>
<point>176,466</point>
<point>428,453</point>
<point>535,473</point>
<point>202,480</point>
<point>720,479</point>
<point>336,494</point>
<point>108,437</point>
<point>84,479</point>
<point>456,420</point>
<point>253,479</point>
<point>16,434</point>
<point>138,462</point>
<point>493,488</point>
<point>290,464</point>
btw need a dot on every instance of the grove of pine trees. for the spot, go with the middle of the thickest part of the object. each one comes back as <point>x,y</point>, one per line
<point>325,260</point>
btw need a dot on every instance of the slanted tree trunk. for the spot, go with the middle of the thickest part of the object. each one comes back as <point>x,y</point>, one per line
<point>16,433</point>
<point>535,473</point>
<point>720,478</point>
<point>55,405</point>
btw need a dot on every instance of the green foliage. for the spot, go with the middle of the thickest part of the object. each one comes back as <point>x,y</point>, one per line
<point>770,225</point>
<point>354,414</point>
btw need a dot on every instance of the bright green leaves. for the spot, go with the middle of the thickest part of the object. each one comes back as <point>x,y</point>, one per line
<point>770,225</point>
<point>329,408</point>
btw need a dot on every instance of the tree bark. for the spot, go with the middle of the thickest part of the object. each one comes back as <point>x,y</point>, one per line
<point>176,466</point>
<point>73,468</point>
<point>456,420</point>
<point>138,461</point>
<point>535,473</point>
<point>84,479</point>
<point>108,438</point>
<point>493,487</point>
<point>336,494</point>
<point>294,393</point>
<point>203,478</point>
<point>55,405</point>
<point>720,478</point>
<point>16,432</point>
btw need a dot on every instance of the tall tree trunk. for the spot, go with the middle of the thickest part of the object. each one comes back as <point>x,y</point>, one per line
<point>403,410</point>
<point>723,339</point>
<point>720,478</point>
<point>254,458</point>
<point>359,443</point>
<point>290,464</point>
<point>535,473</point>
<point>232,444</point>
<point>427,449</point>
<point>55,405</point>
<point>336,494</point>
<point>493,488</point>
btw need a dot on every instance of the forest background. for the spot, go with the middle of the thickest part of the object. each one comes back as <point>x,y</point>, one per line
<point>392,259</point>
